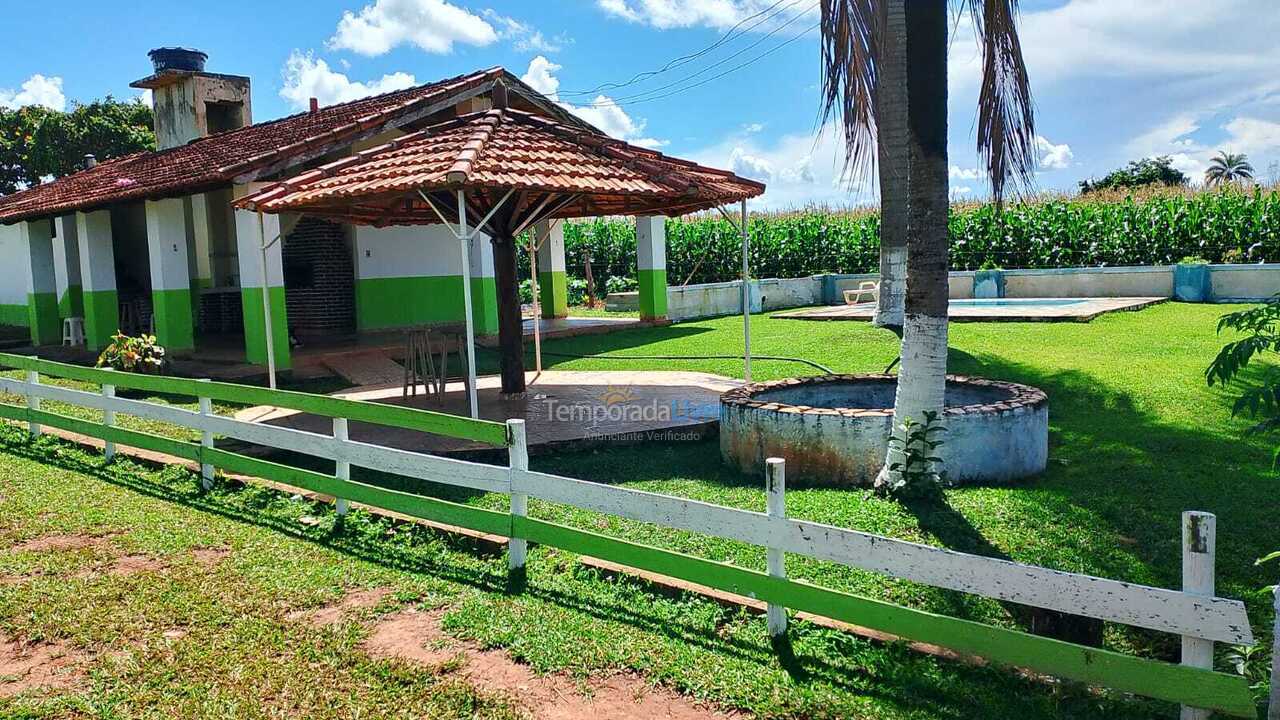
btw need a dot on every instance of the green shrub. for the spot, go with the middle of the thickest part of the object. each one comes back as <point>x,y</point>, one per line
<point>140,354</point>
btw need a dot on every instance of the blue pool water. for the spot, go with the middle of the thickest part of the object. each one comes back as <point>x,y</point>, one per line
<point>1016,302</point>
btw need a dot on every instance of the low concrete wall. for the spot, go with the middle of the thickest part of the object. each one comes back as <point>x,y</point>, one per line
<point>1244,283</point>
<point>1227,283</point>
<point>1089,282</point>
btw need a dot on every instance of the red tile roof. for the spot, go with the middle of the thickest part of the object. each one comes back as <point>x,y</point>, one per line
<point>497,150</point>
<point>214,161</point>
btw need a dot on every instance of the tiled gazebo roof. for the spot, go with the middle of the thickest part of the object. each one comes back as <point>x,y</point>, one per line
<point>492,152</point>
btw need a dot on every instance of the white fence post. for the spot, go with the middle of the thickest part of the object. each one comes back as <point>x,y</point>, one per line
<point>518,548</point>
<point>776,503</point>
<point>342,469</point>
<point>1273,709</point>
<point>108,419</point>
<point>206,440</point>
<point>33,402</point>
<point>1198,547</point>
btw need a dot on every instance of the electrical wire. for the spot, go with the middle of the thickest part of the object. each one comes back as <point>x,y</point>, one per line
<point>735,68</point>
<point>657,94</point>
<point>685,59</point>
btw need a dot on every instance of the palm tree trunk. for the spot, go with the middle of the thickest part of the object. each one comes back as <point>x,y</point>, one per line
<point>510,325</point>
<point>922,378</point>
<point>893,156</point>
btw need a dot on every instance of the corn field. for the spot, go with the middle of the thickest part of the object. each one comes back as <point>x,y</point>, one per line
<point>1152,228</point>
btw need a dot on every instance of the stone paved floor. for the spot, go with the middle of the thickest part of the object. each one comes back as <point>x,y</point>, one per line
<point>1007,310</point>
<point>563,409</point>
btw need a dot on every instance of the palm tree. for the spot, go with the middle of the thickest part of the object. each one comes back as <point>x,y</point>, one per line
<point>892,159</point>
<point>857,64</point>
<point>1228,167</point>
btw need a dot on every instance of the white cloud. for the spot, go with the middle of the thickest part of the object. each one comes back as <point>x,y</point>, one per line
<point>958,173</point>
<point>718,14</point>
<point>1053,157</point>
<point>525,38</point>
<point>431,25</point>
<point>541,77</point>
<point>37,90</point>
<point>602,112</point>
<point>306,76</point>
<point>1105,38</point>
<point>799,169</point>
<point>750,166</point>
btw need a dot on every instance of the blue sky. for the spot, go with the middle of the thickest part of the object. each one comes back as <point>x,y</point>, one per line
<point>1113,79</point>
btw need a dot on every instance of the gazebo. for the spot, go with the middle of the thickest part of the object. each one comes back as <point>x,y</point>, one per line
<point>503,170</point>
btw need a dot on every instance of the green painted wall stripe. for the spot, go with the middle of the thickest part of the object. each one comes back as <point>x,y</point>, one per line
<point>553,294</point>
<point>15,315</point>
<point>172,312</point>
<point>1152,678</point>
<point>255,335</point>
<point>386,303</point>
<point>484,305</point>
<point>42,317</point>
<point>653,294</point>
<point>71,303</point>
<point>485,431</point>
<point>419,506</point>
<point>101,317</point>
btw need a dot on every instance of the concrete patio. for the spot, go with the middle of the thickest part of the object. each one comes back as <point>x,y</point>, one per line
<point>563,409</point>
<point>995,310</point>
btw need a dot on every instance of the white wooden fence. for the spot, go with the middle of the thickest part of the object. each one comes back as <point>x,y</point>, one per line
<point>1193,612</point>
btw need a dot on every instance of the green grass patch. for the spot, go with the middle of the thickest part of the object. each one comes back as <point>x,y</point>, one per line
<point>1136,438</point>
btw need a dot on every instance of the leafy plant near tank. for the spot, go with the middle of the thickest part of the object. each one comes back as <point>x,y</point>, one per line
<point>140,354</point>
<point>916,475</point>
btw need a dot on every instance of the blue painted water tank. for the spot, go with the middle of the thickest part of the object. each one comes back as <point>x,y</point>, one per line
<point>177,58</point>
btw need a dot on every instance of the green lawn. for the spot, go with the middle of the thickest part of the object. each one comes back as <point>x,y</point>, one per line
<point>1136,437</point>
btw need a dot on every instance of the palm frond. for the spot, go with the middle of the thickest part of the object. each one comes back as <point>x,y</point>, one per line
<point>1006,118</point>
<point>850,31</point>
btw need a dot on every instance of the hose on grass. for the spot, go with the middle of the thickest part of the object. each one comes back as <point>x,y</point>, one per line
<point>574,356</point>
<point>823,368</point>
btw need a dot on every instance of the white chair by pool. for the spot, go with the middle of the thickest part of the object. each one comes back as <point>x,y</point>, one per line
<point>869,288</point>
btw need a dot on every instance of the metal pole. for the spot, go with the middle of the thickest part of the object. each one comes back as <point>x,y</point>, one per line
<point>746,297</point>
<point>266,302</point>
<point>466,305</point>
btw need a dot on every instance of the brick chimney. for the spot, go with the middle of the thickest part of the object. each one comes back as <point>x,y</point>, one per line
<point>190,103</point>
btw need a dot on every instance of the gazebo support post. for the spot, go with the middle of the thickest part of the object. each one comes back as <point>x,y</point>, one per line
<point>746,297</point>
<point>510,326</point>
<point>464,241</point>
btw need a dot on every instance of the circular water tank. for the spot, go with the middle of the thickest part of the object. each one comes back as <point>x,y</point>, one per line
<point>176,58</point>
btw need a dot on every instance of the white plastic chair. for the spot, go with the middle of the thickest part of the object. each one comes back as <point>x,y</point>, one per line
<point>866,287</point>
<point>73,331</point>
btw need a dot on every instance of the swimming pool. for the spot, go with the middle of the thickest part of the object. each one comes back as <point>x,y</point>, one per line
<point>995,309</point>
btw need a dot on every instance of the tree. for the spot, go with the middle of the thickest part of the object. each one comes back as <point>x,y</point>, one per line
<point>1138,173</point>
<point>893,156</point>
<point>18,130</point>
<point>854,41</point>
<point>1228,167</point>
<point>37,143</point>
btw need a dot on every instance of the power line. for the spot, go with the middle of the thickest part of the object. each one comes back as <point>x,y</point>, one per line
<point>677,91</point>
<point>685,59</point>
